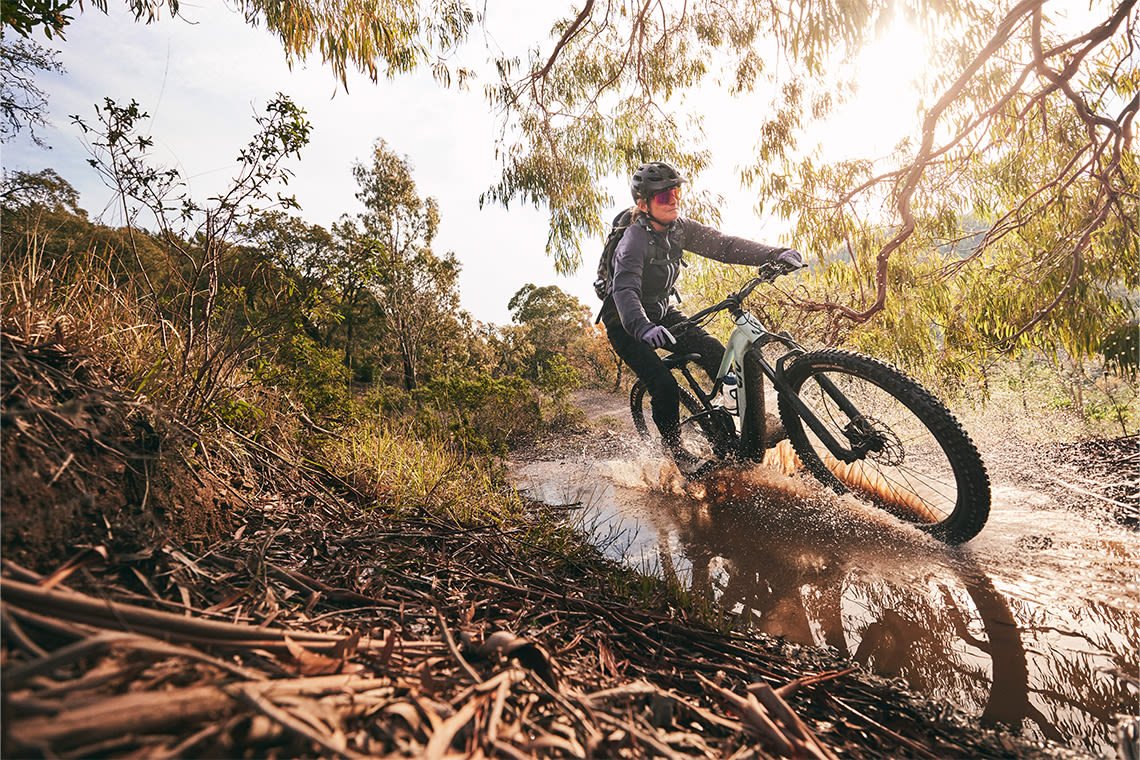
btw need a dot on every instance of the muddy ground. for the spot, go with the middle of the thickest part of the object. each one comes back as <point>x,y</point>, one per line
<point>1033,625</point>
<point>248,602</point>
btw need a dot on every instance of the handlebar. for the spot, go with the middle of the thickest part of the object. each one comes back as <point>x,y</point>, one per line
<point>767,272</point>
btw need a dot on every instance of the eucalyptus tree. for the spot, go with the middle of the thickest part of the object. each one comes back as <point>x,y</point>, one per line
<point>304,257</point>
<point>1025,133</point>
<point>1009,213</point>
<point>377,37</point>
<point>416,289</point>
<point>23,104</point>
<point>553,325</point>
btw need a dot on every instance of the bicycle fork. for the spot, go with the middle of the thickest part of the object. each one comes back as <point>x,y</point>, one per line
<point>862,438</point>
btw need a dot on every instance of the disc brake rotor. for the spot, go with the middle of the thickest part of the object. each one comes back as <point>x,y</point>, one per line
<point>882,444</point>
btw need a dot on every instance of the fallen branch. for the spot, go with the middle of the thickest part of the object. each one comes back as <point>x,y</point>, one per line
<point>14,676</point>
<point>139,714</point>
<point>161,625</point>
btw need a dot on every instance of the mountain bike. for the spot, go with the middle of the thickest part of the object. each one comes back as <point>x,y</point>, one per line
<point>856,423</point>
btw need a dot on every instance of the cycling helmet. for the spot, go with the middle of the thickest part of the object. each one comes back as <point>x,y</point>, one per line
<point>652,178</point>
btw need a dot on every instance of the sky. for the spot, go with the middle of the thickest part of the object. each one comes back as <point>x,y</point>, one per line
<point>205,76</point>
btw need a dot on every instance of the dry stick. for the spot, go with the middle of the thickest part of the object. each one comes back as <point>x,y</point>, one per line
<point>791,687</point>
<point>307,583</point>
<point>23,573</point>
<point>633,628</point>
<point>442,737</point>
<point>585,721</point>
<point>138,713</point>
<point>509,750</point>
<point>12,628</point>
<point>754,716</point>
<point>318,686</point>
<point>641,688</point>
<point>79,607</point>
<point>81,649</point>
<point>767,697</point>
<point>272,711</point>
<point>446,633</point>
<point>181,748</point>
<point>909,743</point>
<point>635,689</point>
<point>491,684</point>
<point>778,707</point>
<point>497,711</point>
<point>658,746</point>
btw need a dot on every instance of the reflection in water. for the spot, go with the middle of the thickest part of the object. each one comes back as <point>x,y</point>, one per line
<point>1009,644</point>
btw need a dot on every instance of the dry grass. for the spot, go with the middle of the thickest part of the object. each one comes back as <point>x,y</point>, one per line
<point>423,474</point>
<point>81,297</point>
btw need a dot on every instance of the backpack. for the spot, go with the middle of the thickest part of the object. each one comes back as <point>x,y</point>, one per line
<point>605,280</point>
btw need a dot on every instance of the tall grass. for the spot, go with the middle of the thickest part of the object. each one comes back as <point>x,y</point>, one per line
<point>417,474</point>
<point>80,296</point>
<point>84,297</point>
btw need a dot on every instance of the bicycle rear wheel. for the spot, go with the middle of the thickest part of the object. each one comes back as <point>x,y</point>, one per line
<point>700,436</point>
<point>923,467</point>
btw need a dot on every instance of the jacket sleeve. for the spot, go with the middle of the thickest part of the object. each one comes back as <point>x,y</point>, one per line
<point>713,244</point>
<point>629,264</point>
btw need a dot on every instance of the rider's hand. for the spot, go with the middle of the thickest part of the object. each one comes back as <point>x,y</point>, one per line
<point>658,337</point>
<point>791,260</point>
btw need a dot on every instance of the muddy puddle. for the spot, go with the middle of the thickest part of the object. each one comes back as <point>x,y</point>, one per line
<point>1034,624</point>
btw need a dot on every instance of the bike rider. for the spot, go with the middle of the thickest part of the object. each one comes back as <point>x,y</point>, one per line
<point>638,313</point>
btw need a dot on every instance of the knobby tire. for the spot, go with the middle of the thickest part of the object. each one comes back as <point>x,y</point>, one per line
<point>639,401</point>
<point>972,497</point>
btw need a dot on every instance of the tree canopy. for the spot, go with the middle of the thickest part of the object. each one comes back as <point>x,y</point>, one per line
<point>22,102</point>
<point>376,37</point>
<point>1008,219</point>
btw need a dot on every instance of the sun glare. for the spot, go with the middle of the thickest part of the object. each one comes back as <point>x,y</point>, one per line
<point>883,107</point>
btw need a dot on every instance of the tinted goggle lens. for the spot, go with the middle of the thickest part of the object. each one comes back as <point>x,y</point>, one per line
<point>665,197</point>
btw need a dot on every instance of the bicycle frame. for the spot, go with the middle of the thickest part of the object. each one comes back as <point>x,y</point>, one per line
<point>748,333</point>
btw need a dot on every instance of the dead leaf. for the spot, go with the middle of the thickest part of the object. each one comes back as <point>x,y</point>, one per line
<point>346,647</point>
<point>311,663</point>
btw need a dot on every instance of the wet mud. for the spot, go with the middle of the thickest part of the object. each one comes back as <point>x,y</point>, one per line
<point>1034,625</point>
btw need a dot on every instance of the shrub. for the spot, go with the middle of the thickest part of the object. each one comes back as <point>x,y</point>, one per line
<point>481,413</point>
<point>313,373</point>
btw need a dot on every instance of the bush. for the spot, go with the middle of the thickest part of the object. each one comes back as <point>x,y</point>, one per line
<point>413,473</point>
<point>311,372</point>
<point>481,413</point>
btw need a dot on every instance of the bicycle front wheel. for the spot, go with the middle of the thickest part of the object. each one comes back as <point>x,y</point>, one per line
<point>921,466</point>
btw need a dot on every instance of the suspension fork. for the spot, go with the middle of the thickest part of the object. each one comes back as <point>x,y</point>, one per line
<point>838,450</point>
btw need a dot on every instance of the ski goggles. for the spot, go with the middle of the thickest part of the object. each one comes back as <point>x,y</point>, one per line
<point>665,197</point>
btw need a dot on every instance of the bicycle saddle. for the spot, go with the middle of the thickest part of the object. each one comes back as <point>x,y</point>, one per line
<point>680,360</point>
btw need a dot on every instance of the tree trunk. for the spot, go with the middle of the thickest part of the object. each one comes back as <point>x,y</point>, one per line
<point>409,361</point>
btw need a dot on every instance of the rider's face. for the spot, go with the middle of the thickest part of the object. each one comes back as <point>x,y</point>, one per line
<point>665,206</point>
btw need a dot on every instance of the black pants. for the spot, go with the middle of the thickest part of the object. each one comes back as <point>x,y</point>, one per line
<point>665,394</point>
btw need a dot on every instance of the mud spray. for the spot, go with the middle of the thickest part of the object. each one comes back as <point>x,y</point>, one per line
<point>857,477</point>
<point>779,472</point>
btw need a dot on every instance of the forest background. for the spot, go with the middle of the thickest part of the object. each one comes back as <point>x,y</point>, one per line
<point>996,242</point>
<point>247,375</point>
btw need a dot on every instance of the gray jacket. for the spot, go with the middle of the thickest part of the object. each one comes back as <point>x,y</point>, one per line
<point>647,264</point>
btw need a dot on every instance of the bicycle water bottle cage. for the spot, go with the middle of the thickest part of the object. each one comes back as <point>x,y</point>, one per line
<point>680,360</point>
